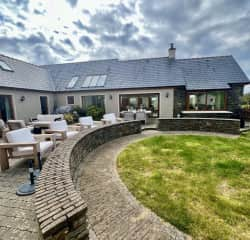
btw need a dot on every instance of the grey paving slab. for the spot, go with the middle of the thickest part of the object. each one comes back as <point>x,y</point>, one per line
<point>17,217</point>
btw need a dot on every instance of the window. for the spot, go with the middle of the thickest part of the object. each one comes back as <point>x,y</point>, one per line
<point>87,81</point>
<point>96,100</point>
<point>44,105</point>
<point>6,107</point>
<point>140,101</point>
<point>206,101</point>
<point>4,66</point>
<point>73,82</point>
<point>94,81</point>
<point>70,100</point>
<point>101,81</point>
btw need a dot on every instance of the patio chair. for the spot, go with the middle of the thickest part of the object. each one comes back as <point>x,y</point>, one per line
<point>49,117</point>
<point>3,129</point>
<point>62,130</point>
<point>141,116</point>
<point>86,122</point>
<point>22,144</point>
<point>15,124</point>
<point>128,116</point>
<point>110,118</point>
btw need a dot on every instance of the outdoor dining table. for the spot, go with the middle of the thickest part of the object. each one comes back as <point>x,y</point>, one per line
<point>135,111</point>
<point>41,124</point>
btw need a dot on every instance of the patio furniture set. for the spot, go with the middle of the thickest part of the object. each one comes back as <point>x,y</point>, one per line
<point>21,141</point>
<point>141,115</point>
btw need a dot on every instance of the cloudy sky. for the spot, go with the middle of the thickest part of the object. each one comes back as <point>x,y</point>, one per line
<point>56,31</point>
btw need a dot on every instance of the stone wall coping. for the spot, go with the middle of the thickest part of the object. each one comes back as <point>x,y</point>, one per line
<point>191,112</point>
<point>57,202</point>
<point>195,118</point>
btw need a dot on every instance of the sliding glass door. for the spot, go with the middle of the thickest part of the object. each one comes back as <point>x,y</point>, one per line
<point>6,107</point>
<point>140,101</point>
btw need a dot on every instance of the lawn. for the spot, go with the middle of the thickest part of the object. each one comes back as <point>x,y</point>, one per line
<point>200,184</point>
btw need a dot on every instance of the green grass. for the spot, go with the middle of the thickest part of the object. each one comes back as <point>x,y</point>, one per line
<point>200,184</point>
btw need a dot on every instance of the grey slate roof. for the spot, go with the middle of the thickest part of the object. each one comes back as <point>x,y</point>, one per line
<point>194,74</point>
<point>25,76</point>
<point>211,72</point>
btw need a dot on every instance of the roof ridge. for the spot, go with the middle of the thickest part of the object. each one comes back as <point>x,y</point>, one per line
<point>101,60</point>
<point>16,59</point>
<point>194,58</point>
<point>138,59</point>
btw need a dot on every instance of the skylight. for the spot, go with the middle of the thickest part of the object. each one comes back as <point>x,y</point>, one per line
<point>94,81</point>
<point>4,66</point>
<point>73,81</point>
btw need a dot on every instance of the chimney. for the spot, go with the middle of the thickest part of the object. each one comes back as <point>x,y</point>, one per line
<point>171,51</point>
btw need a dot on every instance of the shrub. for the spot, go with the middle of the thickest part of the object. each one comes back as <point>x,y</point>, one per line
<point>69,117</point>
<point>95,112</point>
<point>80,111</point>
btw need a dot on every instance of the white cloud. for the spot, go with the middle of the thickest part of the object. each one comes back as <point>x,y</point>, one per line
<point>82,30</point>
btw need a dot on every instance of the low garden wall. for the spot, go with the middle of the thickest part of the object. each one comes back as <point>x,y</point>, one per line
<point>230,126</point>
<point>60,209</point>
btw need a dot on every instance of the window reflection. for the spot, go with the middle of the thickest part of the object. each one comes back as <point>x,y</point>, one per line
<point>214,100</point>
<point>140,101</point>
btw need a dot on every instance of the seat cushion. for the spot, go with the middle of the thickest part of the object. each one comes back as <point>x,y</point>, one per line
<point>110,117</point>
<point>71,134</point>
<point>59,125</point>
<point>45,147</point>
<point>20,136</point>
<point>86,121</point>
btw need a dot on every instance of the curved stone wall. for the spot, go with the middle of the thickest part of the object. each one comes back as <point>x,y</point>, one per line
<point>220,125</point>
<point>60,210</point>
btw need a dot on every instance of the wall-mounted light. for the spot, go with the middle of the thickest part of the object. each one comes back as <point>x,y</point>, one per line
<point>110,97</point>
<point>22,98</point>
<point>167,94</point>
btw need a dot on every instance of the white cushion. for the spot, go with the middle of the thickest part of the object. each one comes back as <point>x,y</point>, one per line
<point>45,146</point>
<point>49,117</point>
<point>68,134</point>
<point>71,134</point>
<point>86,121</point>
<point>59,125</point>
<point>20,135</point>
<point>110,117</point>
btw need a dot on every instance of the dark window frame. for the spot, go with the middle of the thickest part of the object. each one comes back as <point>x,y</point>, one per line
<point>44,109</point>
<point>68,102</point>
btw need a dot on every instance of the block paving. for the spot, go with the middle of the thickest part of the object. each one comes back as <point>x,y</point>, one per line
<point>113,213</point>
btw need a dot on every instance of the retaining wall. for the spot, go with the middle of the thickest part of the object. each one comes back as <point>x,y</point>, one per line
<point>60,209</point>
<point>230,126</point>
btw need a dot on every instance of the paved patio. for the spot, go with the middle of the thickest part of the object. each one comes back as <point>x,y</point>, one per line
<point>17,218</point>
